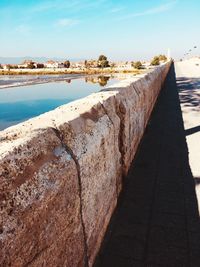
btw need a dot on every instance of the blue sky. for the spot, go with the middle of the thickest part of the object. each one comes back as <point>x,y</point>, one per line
<point>123,30</point>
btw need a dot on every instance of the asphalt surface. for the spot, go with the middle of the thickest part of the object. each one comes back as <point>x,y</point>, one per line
<point>156,222</point>
<point>188,81</point>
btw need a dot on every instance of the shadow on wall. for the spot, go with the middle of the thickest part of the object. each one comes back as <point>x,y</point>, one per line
<point>189,92</point>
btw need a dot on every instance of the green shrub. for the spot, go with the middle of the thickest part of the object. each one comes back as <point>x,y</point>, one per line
<point>31,65</point>
<point>137,65</point>
<point>40,65</point>
<point>103,62</point>
<point>155,61</point>
<point>162,58</point>
<point>67,64</point>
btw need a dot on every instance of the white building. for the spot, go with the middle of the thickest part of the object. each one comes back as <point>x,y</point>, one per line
<point>54,64</point>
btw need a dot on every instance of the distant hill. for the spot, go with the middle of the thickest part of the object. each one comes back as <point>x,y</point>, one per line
<point>18,60</point>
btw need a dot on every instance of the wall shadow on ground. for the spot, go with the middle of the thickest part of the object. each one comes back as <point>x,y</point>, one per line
<point>156,222</point>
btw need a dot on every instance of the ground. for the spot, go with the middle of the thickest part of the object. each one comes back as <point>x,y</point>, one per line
<point>156,222</point>
<point>188,81</point>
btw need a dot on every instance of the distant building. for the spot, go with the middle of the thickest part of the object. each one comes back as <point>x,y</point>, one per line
<point>79,65</point>
<point>5,66</point>
<point>8,66</point>
<point>123,65</point>
<point>146,65</point>
<point>54,64</point>
<point>26,63</point>
<point>91,63</point>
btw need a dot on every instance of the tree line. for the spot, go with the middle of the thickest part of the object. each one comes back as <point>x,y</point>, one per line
<point>101,62</point>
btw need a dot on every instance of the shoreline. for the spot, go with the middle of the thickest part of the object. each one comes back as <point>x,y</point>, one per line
<point>61,77</point>
<point>33,72</point>
<point>35,82</point>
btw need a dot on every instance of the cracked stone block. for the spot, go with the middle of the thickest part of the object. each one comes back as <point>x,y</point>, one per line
<point>40,203</point>
<point>91,137</point>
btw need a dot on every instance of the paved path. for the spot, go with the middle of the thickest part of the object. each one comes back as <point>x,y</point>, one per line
<point>156,222</point>
<point>188,81</point>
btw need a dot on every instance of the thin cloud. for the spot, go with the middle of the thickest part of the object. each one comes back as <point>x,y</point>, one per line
<point>117,9</point>
<point>23,29</point>
<point>72,6</point>
<point>65,22</point>
<point>151,11</point>
<point>53,5</point>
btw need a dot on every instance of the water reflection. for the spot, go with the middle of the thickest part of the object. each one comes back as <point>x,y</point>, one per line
<point>20,103</point>
<point>101,80</point>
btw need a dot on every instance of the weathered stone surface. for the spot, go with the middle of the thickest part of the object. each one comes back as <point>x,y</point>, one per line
<point>40,203</point>
<point>91,137</point>
<point>135,100</point>
<point>110,106</point>
<point>61,173</point>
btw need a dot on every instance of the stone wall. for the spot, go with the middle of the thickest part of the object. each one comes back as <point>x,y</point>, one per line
<point>61,173</point>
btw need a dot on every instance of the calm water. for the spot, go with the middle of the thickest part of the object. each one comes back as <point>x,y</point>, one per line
<point>18,104</point>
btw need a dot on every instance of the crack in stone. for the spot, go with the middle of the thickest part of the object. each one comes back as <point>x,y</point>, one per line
<point>70,152</point>
<point>121,115</point>
<point>117,188</point>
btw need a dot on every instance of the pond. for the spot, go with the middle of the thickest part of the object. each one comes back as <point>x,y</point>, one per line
<point>18,104</point>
